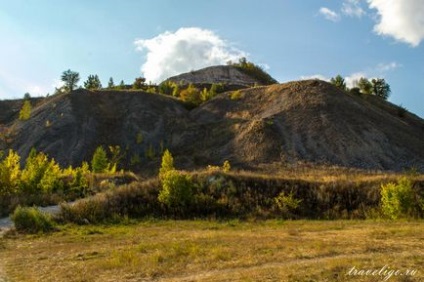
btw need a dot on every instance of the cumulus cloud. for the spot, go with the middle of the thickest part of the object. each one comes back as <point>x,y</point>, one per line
<point>187,49</point>
<point>353,79</point>
<point>352,8</point>
<point>402,20</point>
<point>315,76</point>
<point>329,14</point>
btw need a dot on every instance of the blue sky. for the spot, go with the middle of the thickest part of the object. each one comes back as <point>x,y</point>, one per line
<point>292,39</point>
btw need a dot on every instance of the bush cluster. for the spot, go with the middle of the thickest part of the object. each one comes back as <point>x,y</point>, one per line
<point>40,181</point>
<point>32,220</point>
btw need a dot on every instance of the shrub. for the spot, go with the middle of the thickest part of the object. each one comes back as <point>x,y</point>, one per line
<point>287,203</point>
<point>191,95</point>
<point>236,95</point>
<point>176,192</point>
<point>226,167</point>
<point>397,199</point>
<point>32,220</point>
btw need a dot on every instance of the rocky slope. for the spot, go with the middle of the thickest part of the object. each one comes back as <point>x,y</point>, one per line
<point>282,124</point>
<point>228,75</point>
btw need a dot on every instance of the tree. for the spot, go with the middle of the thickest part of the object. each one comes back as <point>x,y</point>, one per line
<point>93,83</point>
<point>40,174</point>
<point>167,87</point>
<point>339,82</point>
<point>380,88</point>
<point>110,84</point>
<point>70,78</point>
<point>139,83</point>
<point>254,71</point>
<point>27,96</point>
<point>10,171</point>
<point>99,162</point>
<point>121,85</point>
<point>176,192</point>
<point>167,164</point>
<point>116,156</point>
<point>365,86</point>
<point>25,112</point>
<point>191,95</point>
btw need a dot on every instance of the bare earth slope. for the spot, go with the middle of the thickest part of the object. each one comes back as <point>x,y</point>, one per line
<point>216,74</point>
<point>281,124</point>
<point>70,127</point>
<point>309,121</point>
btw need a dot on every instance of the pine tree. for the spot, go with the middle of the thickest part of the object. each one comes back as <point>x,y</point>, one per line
<point>110,84</point>
<point>167,164</point>
<point>100,162</point>
<point>122,85</point>
<point>339,82</point>
<point>25,112</point>
<point>93,83</point>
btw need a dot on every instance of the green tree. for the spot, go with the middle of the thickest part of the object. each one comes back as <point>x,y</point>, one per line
<point>100,161</point>
<point>10,172</point>
<point>116,156</point>
<point>254,71</point>
<point>167,87</point>
<point>40,174</point>
<point>176,192</point>
<point>25,112</point>
<point>397,199</point>
<point>167,164</point>
<point>339,82</point>
<point>93,83</point>
<point>71,79</point>
<point>110,84</point>
<point>365,86</point>
<point>191,95</point>
<point>121,85</point>
<point>380,88</point>
<point>27,96</point>
<point>139,83</point>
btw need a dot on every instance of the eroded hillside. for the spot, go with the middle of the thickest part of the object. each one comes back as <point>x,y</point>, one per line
<point>279,125</point>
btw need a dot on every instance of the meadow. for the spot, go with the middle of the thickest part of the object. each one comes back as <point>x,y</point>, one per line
<point>210,250</point>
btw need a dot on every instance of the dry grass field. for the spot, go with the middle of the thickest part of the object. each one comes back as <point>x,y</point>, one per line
<point>218,251</point>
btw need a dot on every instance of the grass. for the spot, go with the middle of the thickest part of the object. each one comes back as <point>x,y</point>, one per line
<point>216,251</point>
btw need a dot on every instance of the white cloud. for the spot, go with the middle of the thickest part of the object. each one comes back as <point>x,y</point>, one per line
<point>329,14</point>
<point>387,67</point>
<point>172,53</point>
<point>403,20</point>
<point>352,8</point>
<point>315,76</point>
<point>352,80</point>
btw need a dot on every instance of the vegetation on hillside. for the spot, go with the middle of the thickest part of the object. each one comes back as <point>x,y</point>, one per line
<point>42,181</point>
<point>377,86</point>
<point>219,193</point>
<point>25,112</point>
<point>254,71</point>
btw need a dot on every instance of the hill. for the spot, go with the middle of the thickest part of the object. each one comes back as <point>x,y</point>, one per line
<point>270,126</point>
<point>227,75</point>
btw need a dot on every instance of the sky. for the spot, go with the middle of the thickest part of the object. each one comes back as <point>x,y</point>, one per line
<point>292,40</point>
